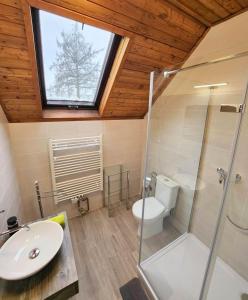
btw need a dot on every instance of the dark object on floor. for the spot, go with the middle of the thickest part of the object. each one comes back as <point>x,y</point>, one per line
<point>244,296</point>
<point>133,290</point>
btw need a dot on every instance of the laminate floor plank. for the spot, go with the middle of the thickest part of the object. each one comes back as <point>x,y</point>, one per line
<point>106,251</point>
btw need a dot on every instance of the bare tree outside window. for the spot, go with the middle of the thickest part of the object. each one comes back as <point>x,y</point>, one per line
<point>76,68</point>
<point>74,59</point>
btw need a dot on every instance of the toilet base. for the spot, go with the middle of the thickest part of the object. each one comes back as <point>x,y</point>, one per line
<point>150,229</point>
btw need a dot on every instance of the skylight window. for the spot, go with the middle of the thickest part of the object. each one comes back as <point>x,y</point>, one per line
<point>74,60</point>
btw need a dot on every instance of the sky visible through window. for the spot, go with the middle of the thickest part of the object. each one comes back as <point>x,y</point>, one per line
<point>73,58</point>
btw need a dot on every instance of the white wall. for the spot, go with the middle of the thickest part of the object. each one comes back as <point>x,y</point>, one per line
<point>9,190</point>
<point>122,144</point>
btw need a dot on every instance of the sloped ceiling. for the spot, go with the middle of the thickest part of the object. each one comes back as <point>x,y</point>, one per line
<point>161,35</point>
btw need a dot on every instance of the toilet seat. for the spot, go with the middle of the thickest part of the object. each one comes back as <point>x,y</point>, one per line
<point>153,209</point>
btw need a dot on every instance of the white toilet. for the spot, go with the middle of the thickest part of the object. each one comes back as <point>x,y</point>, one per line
<point>156,208</point>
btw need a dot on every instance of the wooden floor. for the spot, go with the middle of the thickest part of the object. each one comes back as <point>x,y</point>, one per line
<point>159,241</point>
<point>106,253</point>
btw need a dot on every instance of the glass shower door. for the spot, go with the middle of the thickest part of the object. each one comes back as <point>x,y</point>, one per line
<point>191,135</point>
<point>228,278</point>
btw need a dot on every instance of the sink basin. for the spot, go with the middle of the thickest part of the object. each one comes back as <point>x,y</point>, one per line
<point>28,251</point>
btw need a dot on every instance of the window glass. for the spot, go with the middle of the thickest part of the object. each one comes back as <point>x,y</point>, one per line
<point>74,57</point>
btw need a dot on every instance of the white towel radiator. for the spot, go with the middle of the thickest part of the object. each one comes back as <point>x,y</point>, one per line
<point>76,166</point>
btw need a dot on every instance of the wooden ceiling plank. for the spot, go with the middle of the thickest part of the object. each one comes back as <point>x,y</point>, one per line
<point>190,12</point>
<point>152,20</point>
<point>126,8</point>
<point>17,89</point>
<point>12,29</point>
<point>11,14</point>
<point>150,62</point>
<point>136,66</point>
<point>243,3</point>
<point>161,35</point>
<point>120,100</point>
<point>13,3</point>
<point>16,73</point>
<point>231,5</point>
<point>115,72</point>
<point>160,21</point>
<point>121,21</point>
<point>128,104</point>
<point>18,101</point>
<point>24,116</point>
<point>135,74</point>
<point>133,109</point>
<point>132,85</point>
<point>123,90</point>
<point>13,63</point>
<point>160,47</point>
<point>17,83</point>
<point>124,95</point>
<point>155,55</point>
<point>202,10</point>
<point>124,111</point>
<point>22,107</point>
<point>32,53</point>
<point>132,80</point>
<point>12,41</point>
<point>215,7</point>
<point>30,94</point>
<point>20,54</point>
<point>72,115</point>
<point>16,58</point>
<point>78,16</point>
<point>163,10</point>
<point>116,101</point>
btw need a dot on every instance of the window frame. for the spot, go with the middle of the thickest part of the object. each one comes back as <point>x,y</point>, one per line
<point>71,104</point>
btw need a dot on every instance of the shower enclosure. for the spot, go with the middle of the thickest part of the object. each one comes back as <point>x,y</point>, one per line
<point>198,137</point>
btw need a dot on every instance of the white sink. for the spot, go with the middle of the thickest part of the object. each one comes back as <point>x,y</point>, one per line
<point>28,251</point>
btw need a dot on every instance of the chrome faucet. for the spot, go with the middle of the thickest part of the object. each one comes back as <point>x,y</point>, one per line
<point>222,175</point>
<point>15,230</point>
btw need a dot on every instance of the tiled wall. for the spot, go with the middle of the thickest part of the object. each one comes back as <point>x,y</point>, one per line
<point>217,147</point>
<point>221,128</point>
<point>234,242</point>
<point>220,133</point>
<point>9,190</point>
<point>122,144</point>
<point>177,128</point>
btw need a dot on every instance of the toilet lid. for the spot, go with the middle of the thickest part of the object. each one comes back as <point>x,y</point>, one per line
<point>153,208</point>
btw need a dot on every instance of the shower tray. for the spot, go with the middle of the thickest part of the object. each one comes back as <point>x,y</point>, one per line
<point>176,272</point>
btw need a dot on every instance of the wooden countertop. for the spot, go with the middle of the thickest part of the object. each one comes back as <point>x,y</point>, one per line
<point>58,280</point>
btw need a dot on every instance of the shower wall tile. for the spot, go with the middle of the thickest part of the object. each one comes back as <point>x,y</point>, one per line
<point>177,128</point>
<point>122,144</point>
<point>10,199</point>
<point>176,143</point>
<point>217,149</point>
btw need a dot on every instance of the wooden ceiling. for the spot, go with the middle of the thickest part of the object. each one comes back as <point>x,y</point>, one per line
<point>160,34</point>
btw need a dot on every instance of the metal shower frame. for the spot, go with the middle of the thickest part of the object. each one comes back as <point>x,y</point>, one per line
<point>224,199</point>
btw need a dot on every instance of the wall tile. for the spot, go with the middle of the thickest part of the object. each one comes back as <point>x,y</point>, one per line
<point>122,144</point>
<point>10,199</point>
